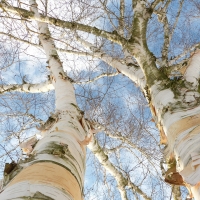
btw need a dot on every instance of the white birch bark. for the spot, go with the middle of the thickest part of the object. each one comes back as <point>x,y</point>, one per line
<point>178,119</point>
<point>191,74</point>
<point>28,87</point>
<point>61,23</point>
<point>55,167</point>
<point>133,72</point>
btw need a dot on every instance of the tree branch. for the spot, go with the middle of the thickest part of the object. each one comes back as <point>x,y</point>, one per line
<point>126,66</point>
<point>80,53</point>
<point>176,192</point>
<point>151,73</point>
<point>184,53</point>
<point>108,14</point>
<point>162,18</point>
<point>176,21</point>
<point>154,4</point>
<point>28,87</point>
<point>121,19</point>
<point>121,180</point>
<point>98,77</point>
<point>137,45</point>
<point>119,136</point>
<point>112,36</point>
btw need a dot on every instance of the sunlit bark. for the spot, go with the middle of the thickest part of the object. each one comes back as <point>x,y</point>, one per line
<point>174,103</point>
<point>56,165</point>
<point>28,87</point>
<point>178,119</point>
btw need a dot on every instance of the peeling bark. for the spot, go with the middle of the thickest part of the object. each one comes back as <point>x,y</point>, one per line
<point>177,111</point>
<point>55,167</point>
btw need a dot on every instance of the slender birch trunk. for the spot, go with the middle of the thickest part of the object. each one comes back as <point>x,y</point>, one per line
<point>55,167</point>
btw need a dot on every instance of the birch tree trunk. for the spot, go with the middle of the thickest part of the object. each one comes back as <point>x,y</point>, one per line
<point>176,109</point>
<point>55,167</point>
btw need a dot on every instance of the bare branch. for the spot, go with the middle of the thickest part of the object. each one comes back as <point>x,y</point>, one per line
<point>121,19</point>
<point>176,21</point>
<point>108,13</point>
<point>184,53</point>
<point>80,53</point>
<point>113,36</point>
<point>98,77</point>
<point>154,4</point>
<point>121,180</point>
<point>123,65</point>
<point>125,140</point>
<point>28,87</point>
<point>126,66</point>
<point>162,18</point>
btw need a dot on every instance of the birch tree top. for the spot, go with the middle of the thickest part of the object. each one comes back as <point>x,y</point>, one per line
<point>107,48</point>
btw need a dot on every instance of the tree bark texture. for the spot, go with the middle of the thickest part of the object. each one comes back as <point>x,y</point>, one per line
<point>55,167</point>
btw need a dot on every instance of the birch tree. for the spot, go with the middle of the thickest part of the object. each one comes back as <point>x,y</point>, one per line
<point>153,43</point>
